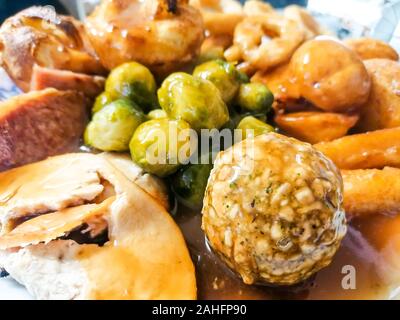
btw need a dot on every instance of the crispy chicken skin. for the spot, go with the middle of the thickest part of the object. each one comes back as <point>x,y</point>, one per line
<point>143,256</point>
<point>38,36</point>
<point>273,210</point>
<point>163,35</point>
<point>39,124</point>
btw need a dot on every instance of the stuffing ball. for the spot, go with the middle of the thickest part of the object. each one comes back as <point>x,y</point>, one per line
<point>273,210</point>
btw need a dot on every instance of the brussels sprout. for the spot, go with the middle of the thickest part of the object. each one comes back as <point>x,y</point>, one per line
<point>133,81</point>
<point>113,126</point>
<point>189,184</point>
<point>234,119</point>
<point>160,146</point>
<point>157,114</point>
<point>253,127</point>
<point>223,75</point>
<point>255,97</point>
<point>195,100</point>
<point>243,78</point>
<point>101,101</point>
<point>235,116</point>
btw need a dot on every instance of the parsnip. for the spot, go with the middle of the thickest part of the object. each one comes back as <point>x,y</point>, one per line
<point>314,127</point>
<point>375,149</point>
<point>371,191</point>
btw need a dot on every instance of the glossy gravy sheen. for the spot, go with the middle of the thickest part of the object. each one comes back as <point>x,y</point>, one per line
<point>371,246</point>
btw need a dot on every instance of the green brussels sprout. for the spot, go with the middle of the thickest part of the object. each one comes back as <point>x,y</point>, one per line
<point>235,116</point>
<point>189,184</point>
<point>101,101</point>
<point>112,127</point>
<point>234,119</point>
<point>157,114</point>
<point>255,97</point>
<point>195,100</point>
<point>161,146</point>
<point>223,75</point>
<point>253,127</point>
<point>243,78</point>
<point>134,81</point>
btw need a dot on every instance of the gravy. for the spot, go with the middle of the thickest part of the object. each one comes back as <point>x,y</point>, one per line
<point>368,247</point>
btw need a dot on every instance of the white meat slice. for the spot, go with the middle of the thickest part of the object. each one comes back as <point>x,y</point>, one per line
<point>145,256</point>
<point>48,271</point>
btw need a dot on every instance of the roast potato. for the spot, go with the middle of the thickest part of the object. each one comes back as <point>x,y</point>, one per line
<point>163,35</point>
<point>375,149</point>
<point>367,48</point>
<point>382,109</point>
<point>371,191</point>
<point>39,36</point>
<point>314,127</point>
<point>323,73</point>
<point>330,76</point>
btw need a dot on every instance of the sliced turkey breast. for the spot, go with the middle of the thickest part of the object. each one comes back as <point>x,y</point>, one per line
<point>143,255</point>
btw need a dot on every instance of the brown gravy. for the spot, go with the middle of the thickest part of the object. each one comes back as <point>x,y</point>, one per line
<point>371,246</point>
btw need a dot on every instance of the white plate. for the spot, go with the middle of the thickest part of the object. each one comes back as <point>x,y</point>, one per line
<point>12,290</point>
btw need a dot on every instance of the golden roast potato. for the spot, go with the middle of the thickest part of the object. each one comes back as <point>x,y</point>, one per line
<point>382,109</point>
<point>330,76</point>
<point>322,72</point>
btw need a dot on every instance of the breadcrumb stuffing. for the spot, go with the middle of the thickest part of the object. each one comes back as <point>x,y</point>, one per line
<point>280,221</point>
